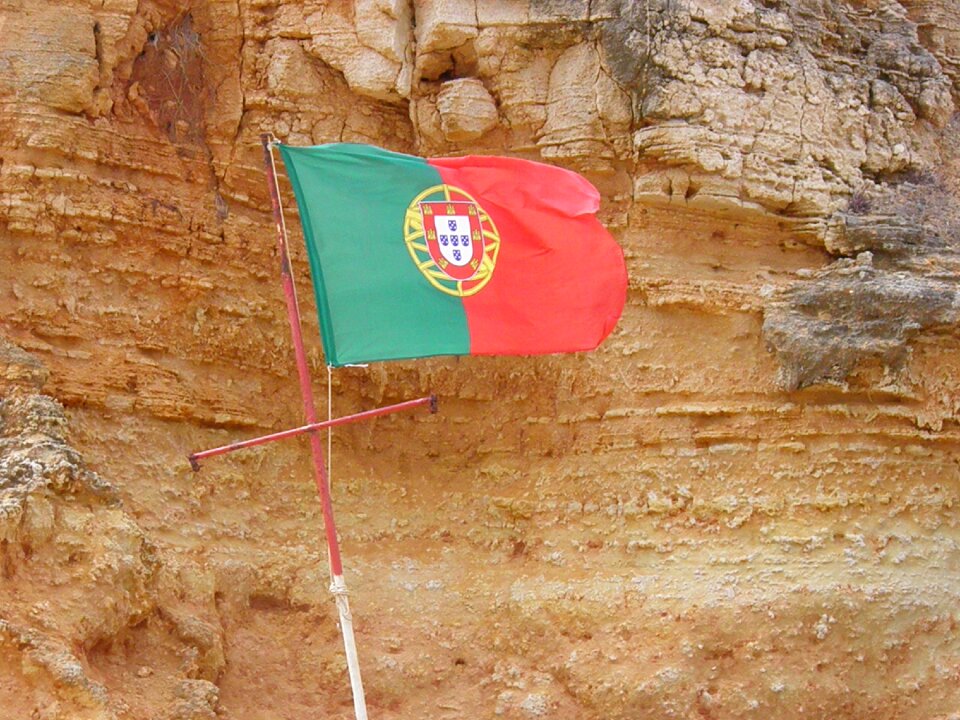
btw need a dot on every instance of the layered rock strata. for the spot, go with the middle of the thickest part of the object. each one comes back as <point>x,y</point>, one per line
<point>742,505</point>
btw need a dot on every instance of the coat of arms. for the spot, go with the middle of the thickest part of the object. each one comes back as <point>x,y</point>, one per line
<point>451,239</point>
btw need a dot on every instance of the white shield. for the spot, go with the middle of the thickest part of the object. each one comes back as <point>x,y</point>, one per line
<point>453,237</point>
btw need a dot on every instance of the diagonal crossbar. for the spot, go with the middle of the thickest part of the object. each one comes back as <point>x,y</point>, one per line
<point>195,458</point>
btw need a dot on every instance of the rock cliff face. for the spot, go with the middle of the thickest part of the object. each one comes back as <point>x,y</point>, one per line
<point>743,505</point>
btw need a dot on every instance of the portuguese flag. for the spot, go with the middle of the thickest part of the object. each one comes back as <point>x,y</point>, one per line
<point>413,257</point>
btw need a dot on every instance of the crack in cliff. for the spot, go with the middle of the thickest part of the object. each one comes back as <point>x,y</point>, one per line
<point>98,54</point>
<point>235,141</point>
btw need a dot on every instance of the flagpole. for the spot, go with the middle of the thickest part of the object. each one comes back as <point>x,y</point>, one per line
<point>337,585</point>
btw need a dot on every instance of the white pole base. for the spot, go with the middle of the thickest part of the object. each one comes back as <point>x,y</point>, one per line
<point>339,590</point>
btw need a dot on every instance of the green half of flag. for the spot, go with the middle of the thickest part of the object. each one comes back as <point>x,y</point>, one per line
<point>414,257</point>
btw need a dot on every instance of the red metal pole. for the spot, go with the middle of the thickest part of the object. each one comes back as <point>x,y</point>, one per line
<point>337,585</point>
<point>303,371</point>
<point>196,457</point>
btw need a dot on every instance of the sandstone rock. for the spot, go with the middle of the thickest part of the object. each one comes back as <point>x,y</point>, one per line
<point>582,105</point>
<point>466,108</point>
<point>203,637</point>
<point>939,35</point>
<point>906,242</point>
<point>802,130</point>
<point>291,71</point>
<point>821,330</point>
<point>18,368</point>
<point>368,49</point>
<point>198,701</point>
<point>63,527</point>
<point>441,28</point>
<point>50,57</point>
<point>743,504</point>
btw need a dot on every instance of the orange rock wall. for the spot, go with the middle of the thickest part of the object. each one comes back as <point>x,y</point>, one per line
<point>743,505</point>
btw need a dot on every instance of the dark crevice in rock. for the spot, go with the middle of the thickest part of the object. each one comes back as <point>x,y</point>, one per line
<point>628,41</point>
<point>169,78</point>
